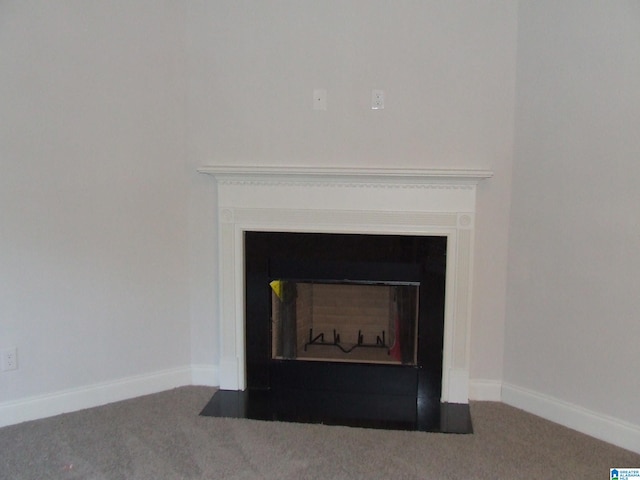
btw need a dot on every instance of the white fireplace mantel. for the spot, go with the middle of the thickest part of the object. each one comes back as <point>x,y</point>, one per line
<point>347,200</point>
<point>341,174</point>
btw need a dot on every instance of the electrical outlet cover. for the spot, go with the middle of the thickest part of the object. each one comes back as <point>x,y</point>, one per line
<point>377,99</point>
<point>9,359</point>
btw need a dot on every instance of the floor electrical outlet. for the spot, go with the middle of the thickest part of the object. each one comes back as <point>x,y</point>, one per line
<point>9,359</point>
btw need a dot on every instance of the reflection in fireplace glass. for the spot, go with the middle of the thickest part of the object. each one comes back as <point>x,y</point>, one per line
<point>366,322</point>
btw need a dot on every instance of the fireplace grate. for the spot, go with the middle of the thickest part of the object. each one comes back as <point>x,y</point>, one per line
<point>359,286</point>
<point>319,340</point>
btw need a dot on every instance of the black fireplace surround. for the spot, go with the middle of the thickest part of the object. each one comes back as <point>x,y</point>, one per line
<point>402,396</point>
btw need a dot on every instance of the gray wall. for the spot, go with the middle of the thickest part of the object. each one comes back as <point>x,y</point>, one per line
<point>574,260</point>
<point>94,265</point>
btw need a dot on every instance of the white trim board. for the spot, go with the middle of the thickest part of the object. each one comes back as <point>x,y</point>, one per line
<point>483,390</point>
<point>205,375</point>
<point>74,399</point>
<point>603,427</point>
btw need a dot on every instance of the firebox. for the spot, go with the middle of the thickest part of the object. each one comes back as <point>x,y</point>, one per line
<point>346,328</point>
<point>344,321</point>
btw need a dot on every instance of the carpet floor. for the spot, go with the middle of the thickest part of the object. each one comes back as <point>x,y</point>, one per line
<point>161,436</point>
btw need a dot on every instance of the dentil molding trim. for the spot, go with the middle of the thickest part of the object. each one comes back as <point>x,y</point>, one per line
<point>361,176</point>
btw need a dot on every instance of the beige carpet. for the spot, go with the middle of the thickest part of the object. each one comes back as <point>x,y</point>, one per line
<point>162,437</point>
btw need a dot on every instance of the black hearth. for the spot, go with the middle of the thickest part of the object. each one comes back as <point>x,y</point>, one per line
<point>344,329</point>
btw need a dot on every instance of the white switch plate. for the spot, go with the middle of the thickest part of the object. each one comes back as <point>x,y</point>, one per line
<point>377,99</point>
<point>319,99</point>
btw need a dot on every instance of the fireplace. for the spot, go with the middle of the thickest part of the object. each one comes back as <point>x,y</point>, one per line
<point>433,210</point>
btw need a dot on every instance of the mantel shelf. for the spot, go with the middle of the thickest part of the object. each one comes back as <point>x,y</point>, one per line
<point>303,173</point>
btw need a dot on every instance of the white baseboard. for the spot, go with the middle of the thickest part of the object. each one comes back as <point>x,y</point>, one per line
<point>485,390</point>
<point>205,375</point>
<point>63,401</point>
<point>603,427</point>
